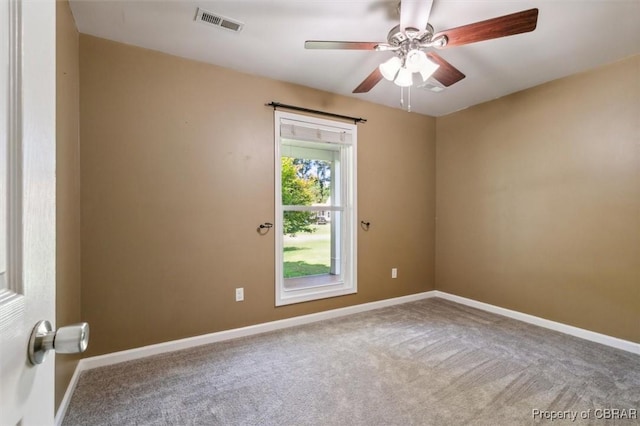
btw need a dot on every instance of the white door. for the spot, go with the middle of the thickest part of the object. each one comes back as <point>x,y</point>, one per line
<point>27,205</point>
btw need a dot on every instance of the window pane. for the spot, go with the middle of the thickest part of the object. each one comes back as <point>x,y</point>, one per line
<point>315,205</point>
<point>307,253</point>
<point>305,181</point>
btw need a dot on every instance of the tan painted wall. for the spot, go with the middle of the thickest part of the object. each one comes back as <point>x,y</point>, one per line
<point>67,186</point>
<point>538,201</point>
<point>177,172</point>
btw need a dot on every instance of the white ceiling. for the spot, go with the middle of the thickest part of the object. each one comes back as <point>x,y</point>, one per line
<point>571,36</point>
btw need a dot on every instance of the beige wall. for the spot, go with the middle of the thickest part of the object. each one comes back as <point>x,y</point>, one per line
<point>67,186</point>
<point>538,201</point>
<point>177,172</point>
<point>538,198</point>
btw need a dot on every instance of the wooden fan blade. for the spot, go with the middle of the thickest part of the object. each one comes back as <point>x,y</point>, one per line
<point>502,26</point>
<point>415,13</point>
<point>349,45</point>
<point>446,74</point>
<point>368,83</point>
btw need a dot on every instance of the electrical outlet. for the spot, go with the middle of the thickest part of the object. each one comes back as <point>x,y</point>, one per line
<point>239,294</point>
<point>394,272</point>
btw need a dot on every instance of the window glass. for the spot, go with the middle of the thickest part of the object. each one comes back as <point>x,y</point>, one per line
<point>315,165</point>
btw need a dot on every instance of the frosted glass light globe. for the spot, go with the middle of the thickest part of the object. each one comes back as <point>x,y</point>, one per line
<point>404,78</point>
<point>389,69</point>
<point>416,59</point>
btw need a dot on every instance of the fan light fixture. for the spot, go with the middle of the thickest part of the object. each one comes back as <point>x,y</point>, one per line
<point>401,72</point>
<point>390,68</point>
<point>428,69</point>
<point>414,35</point>
<point>415,60</point>
<point>404,78</point>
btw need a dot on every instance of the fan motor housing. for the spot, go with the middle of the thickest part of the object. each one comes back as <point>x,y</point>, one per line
<point>398,37</point>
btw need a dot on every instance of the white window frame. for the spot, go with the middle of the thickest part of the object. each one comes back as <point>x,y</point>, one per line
<point>342,136</point>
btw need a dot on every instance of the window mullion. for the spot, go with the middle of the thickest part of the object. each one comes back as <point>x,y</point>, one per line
<point>296,208</point>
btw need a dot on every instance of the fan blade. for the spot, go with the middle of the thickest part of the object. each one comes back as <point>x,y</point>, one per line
<point>350,45</point>
<point>368,83</point>
<point>415,13</point>
<point>446,74</point>
<point>502,26</point>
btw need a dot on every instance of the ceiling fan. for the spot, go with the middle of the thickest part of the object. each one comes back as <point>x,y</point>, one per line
<point>411,40</point>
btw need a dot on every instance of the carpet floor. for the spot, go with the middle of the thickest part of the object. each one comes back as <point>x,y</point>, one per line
<point>430,362</point>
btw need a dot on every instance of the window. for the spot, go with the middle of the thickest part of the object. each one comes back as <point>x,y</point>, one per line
<point>315,208</point>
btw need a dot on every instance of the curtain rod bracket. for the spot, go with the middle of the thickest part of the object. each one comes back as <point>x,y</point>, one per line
<point>275,105</point>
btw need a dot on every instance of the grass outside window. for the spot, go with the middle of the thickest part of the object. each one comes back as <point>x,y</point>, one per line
<point>308,253</point>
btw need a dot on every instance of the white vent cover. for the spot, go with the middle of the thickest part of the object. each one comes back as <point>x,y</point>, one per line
<point>431,85</point>
<point>217,20</point>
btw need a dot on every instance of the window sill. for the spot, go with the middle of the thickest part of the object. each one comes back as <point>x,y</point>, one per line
<point>311,281</point>
<point>306,289</point>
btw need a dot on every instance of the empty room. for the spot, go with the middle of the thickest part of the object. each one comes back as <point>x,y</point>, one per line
<point>320,212</point>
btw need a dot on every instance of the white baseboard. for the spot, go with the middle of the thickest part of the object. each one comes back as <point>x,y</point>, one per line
<point>64,404</point>
<point>145,351</point>
<point>175,345</point>
<point>614,342</point>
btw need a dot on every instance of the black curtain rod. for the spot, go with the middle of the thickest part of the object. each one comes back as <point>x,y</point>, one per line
<point>356,120</point>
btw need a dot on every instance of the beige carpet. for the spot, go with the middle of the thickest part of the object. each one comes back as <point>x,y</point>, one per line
<point>430,362</point>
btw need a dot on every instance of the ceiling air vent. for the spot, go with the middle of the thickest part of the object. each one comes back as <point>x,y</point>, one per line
<point>431,85</point>
<point>216,20</point>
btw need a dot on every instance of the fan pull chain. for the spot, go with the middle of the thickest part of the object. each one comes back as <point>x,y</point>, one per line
<point>408,98</point>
